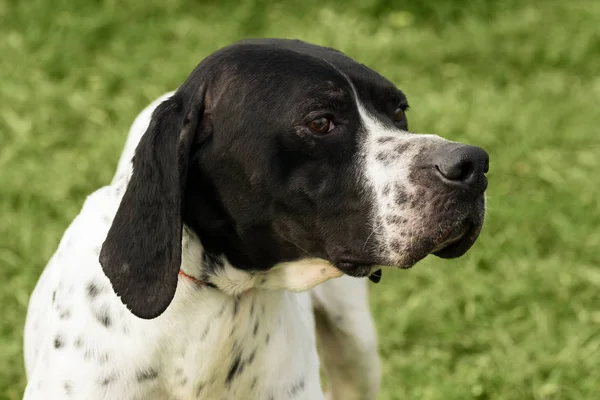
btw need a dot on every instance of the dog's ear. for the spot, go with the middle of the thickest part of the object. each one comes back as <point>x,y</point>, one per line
<point>142,252</point>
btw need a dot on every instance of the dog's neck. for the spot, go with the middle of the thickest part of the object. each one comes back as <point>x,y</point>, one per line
<point>296,276</point>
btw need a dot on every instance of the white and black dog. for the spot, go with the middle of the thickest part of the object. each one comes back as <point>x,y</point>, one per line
<point>275,167</point>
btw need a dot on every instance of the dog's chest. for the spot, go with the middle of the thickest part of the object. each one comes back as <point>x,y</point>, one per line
<point>207,345</point>
<point>259,343</point>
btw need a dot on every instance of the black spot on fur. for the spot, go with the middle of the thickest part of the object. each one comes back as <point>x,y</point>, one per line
<point>400,195</point>
<point>221,311</point>
<point>78,342</point>
<point>53,297</point>
<point>107,381</point>
<point>64,314</point>
<point>267,339</point>
<point>93,290</point>
<point>236,306</point>
<point>205,332</point>
<point>253,384</point>
<point>68,386</point>
<point>59,342</point>
<point>297,387</point>
<point>385,139</point>
<point>103,358</point>
<point>200,389</point>
<point>402,148</point>
<point>236,368</point>
<point>103,316</point>
<point>252,308</point>
<point>147,375</point>
<point>386,189</point>
<point>255,330</point>
<point>385,157</point>
<point>251,358</point>
<point>184,381</point>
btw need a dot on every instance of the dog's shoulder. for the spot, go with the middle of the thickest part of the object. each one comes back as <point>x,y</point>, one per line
<point>72,304</point>
<point>75,261</point>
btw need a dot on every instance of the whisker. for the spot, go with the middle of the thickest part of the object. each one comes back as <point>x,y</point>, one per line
<point>377,226</point>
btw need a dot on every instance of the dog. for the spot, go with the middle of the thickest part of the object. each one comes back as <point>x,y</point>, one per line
<point>247,208</point>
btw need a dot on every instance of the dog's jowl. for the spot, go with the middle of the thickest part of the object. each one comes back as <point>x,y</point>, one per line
<point>247,211</point>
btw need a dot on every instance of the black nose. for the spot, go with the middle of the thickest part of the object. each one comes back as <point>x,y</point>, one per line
<point>463,166</point>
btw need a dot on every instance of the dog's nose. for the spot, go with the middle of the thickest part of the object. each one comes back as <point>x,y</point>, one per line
<point>463,166</point>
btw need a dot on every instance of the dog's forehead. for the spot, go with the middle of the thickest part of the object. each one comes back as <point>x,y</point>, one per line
<point>302,63</point>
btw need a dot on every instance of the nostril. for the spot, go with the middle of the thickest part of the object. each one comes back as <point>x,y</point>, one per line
<point>460,171</point>
<point>462,166</point>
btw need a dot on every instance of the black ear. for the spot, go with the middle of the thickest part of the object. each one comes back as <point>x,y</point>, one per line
<point>142,252</point>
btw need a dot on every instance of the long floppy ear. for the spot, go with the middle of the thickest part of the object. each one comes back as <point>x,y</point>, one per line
<point>142,252</point>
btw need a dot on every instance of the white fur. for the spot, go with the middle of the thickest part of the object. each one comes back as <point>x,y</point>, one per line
<point>387,178</point>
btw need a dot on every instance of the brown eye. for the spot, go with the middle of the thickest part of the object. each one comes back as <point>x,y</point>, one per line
<point>398,114</point>
<point>321,125</point>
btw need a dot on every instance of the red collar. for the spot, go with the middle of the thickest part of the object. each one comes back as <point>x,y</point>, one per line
<point>196,281</point>
<point>191,278</point>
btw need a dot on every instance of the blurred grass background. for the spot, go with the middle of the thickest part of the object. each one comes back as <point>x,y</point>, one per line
<point>517,318</point>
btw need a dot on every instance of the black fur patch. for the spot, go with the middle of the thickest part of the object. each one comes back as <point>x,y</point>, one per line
<point>205,332</point>
<point>147,375</point>
<point>236,368</point>
<point>297,387</point>
<point>68,386</point>
<point>200,389</point>
<point>107,381</point>
<point>93,290</point>
<point>59,342</point>
<point>103,316</point>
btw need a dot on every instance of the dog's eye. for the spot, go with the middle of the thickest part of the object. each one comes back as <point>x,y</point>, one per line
<point>398,114</point>
<point>321,125</point>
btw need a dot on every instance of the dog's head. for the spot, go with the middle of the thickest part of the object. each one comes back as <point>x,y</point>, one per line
<point>277,151</point>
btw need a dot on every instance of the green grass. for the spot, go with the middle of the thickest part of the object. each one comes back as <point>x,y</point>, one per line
<point>517,318</point>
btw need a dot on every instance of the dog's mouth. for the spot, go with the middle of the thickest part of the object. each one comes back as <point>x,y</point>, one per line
<point>457,240</point>
<point>452,243</point>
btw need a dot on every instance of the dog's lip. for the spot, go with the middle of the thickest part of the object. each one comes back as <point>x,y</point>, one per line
<point>354,267</point>
<point>458,240</point>
<point>451,235</point>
